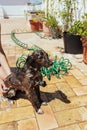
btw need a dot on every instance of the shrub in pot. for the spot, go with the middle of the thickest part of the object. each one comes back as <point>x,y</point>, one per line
<point>72,42</point>
<point>52,24</point>
<point>36,21</point>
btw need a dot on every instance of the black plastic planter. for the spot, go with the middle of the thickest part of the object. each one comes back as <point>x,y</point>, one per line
<point>72,43</point>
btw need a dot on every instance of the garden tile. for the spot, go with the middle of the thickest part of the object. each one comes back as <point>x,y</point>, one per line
<point>9,126</point>
<point>83,81</point>
<point>7,104</point>
<point>78,74</point>
<point>71,116</point>
<point>71,127</point>
<point>65,88</point>
<point>16,114</point>
<point>80,91</point>
<point>23,102</point>
<point>47,120</point>
<point>50,88</point>
<point>54,80</point>
<point>59,105</point>
<point>28,124</point>
<point>83,125</point>
<point>72,81</point>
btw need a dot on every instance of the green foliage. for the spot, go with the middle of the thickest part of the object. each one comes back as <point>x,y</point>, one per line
<point>79,28</point>
<point>53,25</point>
<point>84,16</point>
<point>67,11</point>
<point>51,21</point>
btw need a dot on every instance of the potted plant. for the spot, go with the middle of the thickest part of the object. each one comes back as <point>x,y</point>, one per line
<point>34,25</point>
<point>51,25</point>
<point>36,21</point>
<point>72,42</point>
<point>84,38</point>
<point>72,27</point>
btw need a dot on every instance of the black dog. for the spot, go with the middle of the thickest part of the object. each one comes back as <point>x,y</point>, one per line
<point>28,79</point>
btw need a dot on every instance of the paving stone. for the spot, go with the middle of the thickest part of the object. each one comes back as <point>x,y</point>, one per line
<point>12,51</point>
<point>83,81</point>
<point>9,126</point>
<point>65,88</point>
<point>23,102</point>
<point>83,125</point>
<point>51,88</point>
<point>78,74</point>
<point>59,105</point>
<point>11,60</point>
<point>72,81</point>
<point>80,91</point>
<point>28,124</point>
<point>54,80</point>
<point>6,104</point>
<point>16,114</point>
<point>71,127</point>
<point>71,116</point>
<point>47,120</point>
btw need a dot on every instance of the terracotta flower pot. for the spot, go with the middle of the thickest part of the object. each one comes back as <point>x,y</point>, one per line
<point>40,26</point>
<point>84,43</point>
<point>46,30</point>
<point>34,25</point>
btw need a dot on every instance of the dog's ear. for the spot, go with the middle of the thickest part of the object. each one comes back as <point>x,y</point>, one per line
<point>15,81</point>
<point>29,59</point>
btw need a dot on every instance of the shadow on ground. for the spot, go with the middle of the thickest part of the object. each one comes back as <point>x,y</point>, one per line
<point>46,96</point>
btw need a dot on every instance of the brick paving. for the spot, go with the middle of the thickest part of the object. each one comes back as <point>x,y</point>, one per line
<point>58,114</point>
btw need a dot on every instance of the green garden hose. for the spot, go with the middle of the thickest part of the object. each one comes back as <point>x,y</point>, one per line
<point>23,45</point>
<point>59,68</point>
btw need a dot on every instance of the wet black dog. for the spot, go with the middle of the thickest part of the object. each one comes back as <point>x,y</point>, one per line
<point>28,79</point>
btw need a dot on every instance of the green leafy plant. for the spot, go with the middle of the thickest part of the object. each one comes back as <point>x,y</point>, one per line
<point>67,12</point>
<point>50,21</point>
<point>53,25</point>
<point>79,28</point>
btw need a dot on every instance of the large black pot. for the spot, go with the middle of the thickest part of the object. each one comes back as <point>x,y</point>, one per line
<point>72,43</point>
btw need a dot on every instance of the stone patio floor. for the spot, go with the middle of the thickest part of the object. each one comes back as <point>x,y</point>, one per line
<point>58,114</point>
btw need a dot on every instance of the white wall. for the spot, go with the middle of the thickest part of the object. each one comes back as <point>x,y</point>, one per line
<point>13,8</point>
<point>13,11</point>
<point>13,2</point>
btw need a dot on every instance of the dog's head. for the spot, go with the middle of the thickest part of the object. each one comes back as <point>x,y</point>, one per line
<point>40,57</point>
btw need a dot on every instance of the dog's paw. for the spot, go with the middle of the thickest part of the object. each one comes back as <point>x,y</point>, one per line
<point>42,83</point>
<point>44,103</point>
<point>40,111</point>
<point>11,93</point>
